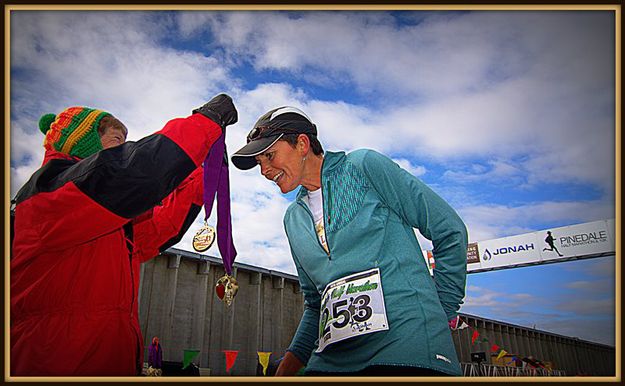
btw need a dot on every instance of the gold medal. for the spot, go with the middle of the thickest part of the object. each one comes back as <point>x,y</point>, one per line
<point>226,288</point>
<point>204,238</point>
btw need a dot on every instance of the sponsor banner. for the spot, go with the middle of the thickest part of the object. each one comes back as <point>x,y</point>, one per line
<point>576,240</point>
<point>473,256</point>
<point>511,250</point>
<point>580,240</point>
<point>612,231</point>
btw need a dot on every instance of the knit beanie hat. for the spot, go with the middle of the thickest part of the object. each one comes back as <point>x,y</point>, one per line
<point>74,131</point>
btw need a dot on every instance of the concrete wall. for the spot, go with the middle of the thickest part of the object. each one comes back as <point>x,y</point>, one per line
<point>177,303</point>
<point>574,356</point>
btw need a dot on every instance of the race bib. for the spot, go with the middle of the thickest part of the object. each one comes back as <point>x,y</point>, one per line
<point>352,306</point>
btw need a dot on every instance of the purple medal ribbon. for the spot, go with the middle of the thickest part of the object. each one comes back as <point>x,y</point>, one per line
<point>216,182</point>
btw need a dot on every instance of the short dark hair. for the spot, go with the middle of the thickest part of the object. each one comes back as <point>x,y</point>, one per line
<point>110,121</point>
<point>315,145</point>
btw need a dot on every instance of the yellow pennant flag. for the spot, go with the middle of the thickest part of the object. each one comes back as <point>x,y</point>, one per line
<point>263,358</point>
<point>501,354</point>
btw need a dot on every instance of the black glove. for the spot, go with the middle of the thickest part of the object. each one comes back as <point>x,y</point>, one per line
<point>220,110</point>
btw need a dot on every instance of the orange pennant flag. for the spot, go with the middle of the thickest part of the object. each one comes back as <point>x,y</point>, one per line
<point>231,356</point>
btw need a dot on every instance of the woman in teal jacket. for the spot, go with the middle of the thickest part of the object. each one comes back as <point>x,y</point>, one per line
<point>371,306</point>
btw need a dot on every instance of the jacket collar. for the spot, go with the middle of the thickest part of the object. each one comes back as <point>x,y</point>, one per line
<point>331,162</point>
<point>53,154</point>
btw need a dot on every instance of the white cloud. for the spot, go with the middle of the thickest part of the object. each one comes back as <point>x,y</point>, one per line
<point>497,170</point>
<point>415,170</point>
<point>479,297</point>
<point>587,318</point>
<point>603,268</point>
<point>493,221</point>
<point>601,330</point>
<point>441,53</point>
<point>588,306</point>
<point>472,84</point>
<point>83,57</point>
<point>593,286</point>
<point>26,156</point>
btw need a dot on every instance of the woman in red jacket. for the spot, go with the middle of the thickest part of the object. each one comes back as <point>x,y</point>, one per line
<point>96,209</point>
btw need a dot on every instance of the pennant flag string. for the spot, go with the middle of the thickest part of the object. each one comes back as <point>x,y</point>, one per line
<point>494,348</point>
<point>264,356</point>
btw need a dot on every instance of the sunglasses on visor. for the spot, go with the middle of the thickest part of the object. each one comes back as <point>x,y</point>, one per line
<point>264,131</point>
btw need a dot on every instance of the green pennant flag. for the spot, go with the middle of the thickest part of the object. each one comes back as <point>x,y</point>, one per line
<point>188,357</point>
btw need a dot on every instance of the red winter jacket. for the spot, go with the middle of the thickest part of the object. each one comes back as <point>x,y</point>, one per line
<point>82,228</point>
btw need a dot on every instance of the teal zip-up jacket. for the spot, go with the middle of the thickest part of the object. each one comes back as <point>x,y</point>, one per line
<point>371,206</point>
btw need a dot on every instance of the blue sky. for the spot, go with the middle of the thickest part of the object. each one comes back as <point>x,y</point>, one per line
<point>508,115</point>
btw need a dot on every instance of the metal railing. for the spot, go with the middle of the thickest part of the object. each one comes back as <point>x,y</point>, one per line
<point>486,370</point>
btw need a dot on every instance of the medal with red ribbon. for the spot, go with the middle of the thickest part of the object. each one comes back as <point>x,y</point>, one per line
<point>216,183</point>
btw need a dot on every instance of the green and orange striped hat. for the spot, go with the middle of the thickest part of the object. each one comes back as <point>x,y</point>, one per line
<point>74,131</point>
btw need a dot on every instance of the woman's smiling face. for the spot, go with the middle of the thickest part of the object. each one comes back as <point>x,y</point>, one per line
<point>282,164</point>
